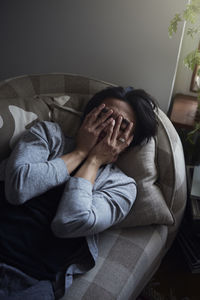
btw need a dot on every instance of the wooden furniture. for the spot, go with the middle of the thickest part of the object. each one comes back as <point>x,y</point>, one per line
<point>183,114</point>
<point>189,233</point>
<point>183,111</point>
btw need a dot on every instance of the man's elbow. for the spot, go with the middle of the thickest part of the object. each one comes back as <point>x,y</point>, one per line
<point>73,227</point>
<point>15,196</point>
<point>15,190</point>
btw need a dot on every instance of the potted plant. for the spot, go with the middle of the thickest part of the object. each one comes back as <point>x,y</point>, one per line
<point>191,14</point>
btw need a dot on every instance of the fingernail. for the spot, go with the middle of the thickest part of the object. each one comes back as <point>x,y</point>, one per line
<point>113,122</point>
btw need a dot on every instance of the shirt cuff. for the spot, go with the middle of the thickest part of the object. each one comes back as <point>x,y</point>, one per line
<point>62,173</point>
<point>79,183</point>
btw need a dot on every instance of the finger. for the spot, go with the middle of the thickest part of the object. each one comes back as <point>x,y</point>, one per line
<point>93,114</point>
<point>128,131</point>
<point>103,116</point>
<point>130,139</point>
<point>104,125</point>
<point>117,128</point>
<point>110,130</point>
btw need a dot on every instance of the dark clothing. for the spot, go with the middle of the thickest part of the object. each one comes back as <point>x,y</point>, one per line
<point>22,232</point>
<point>16,285</point>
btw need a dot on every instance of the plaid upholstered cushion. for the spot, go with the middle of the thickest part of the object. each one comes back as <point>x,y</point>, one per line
<point>150,206</point>
<point>127,258</point>
<point>58,84</point>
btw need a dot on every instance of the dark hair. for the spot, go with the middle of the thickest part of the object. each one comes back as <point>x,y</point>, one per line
<point>142,104</point>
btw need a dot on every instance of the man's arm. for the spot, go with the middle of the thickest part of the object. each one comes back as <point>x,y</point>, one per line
<point>37,163</point>
<point>83,211</point>
<point>33,166</point>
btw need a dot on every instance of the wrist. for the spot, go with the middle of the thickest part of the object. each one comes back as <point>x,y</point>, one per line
<point>81,153</point>
<point>93,160</point>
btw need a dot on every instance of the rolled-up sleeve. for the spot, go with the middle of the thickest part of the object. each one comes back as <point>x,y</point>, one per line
<point>30,170</point>
<point>83,211</point>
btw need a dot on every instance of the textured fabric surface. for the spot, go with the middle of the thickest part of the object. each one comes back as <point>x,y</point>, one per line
<point>120,282</point>
<point>67,110</point>
<point>150,206</point>
<point>171,168</point>
<point>124,257</point>
<point>16,285</point>
<point>16,115</point>
<point>30,85</point>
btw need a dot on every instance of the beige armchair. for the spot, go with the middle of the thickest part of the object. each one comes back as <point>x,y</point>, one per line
<point>130,253</point>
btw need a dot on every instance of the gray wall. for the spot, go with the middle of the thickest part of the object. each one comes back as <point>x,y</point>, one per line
<point>120,41</point>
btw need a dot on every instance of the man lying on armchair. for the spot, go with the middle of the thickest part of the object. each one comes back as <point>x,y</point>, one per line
<point>58,193</point>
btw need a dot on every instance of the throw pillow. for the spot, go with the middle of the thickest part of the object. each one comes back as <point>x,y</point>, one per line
<point>66,110</point>
<point>17,115</point>
<point>150,206</point>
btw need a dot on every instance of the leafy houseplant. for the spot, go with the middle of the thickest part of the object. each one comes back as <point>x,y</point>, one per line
<point>191,14</point>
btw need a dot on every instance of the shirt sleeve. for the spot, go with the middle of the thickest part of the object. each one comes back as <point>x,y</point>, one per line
<point>83,212</point>
<point>31,168</point>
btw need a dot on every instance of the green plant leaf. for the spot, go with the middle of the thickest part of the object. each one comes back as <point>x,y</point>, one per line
<point>192,31</point>
<point>192,59</point>
<point>174,24</point>
<point>191,14</point>
<point>192,11</point>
